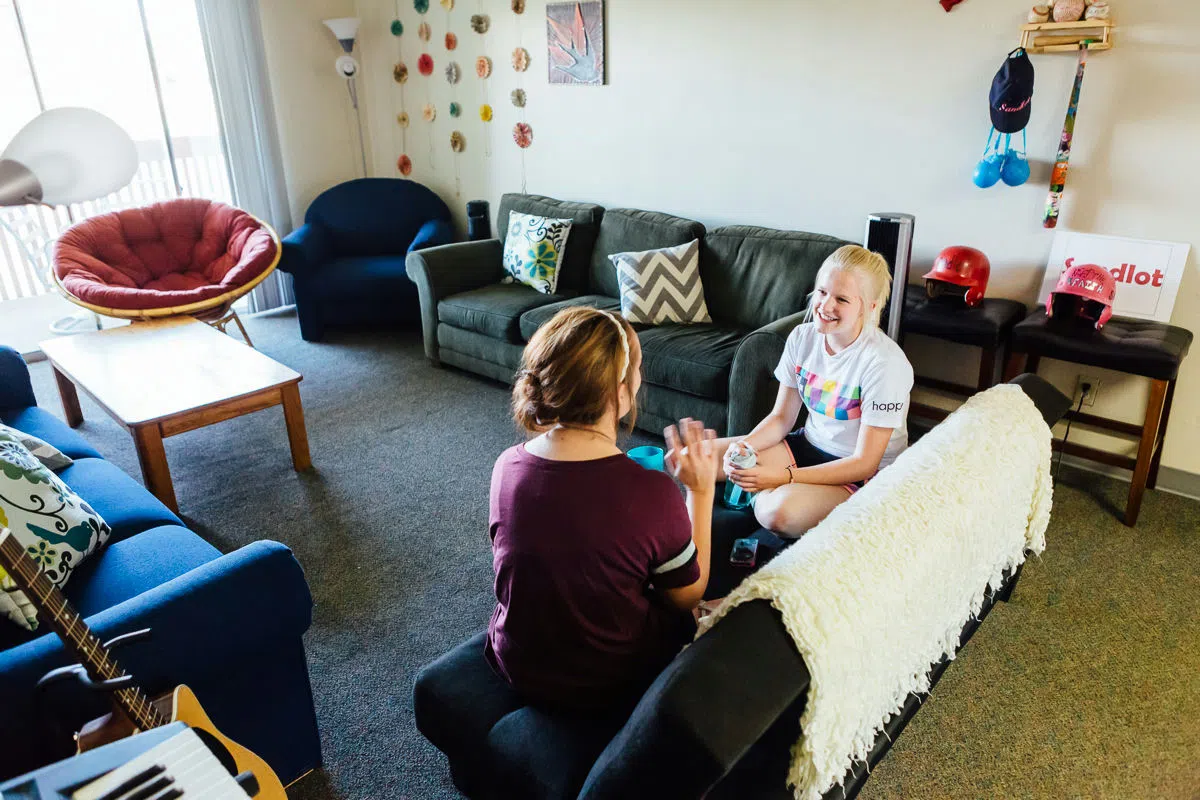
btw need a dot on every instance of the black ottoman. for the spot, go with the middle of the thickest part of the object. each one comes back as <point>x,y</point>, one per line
<point>1152,350</point>
<point>987,326</point>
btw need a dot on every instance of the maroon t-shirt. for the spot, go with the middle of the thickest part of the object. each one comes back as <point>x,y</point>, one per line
<point>579,548</point>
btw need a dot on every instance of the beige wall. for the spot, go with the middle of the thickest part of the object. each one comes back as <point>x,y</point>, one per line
<point>317,133</point>
<point>809,116</point>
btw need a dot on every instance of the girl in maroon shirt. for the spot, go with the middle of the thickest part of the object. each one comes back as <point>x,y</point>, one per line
<point>599,562</point>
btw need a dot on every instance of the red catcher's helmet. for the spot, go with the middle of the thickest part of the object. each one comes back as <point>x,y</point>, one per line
<point>960,266</point>
<point>1091,283</point>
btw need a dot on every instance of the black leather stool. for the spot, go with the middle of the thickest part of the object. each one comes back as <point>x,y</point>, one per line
<point>987,326</point>
<point>1150,349</point>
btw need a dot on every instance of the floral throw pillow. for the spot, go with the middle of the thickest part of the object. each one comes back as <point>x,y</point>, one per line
<point>57,528</point>
<point>533,250</point>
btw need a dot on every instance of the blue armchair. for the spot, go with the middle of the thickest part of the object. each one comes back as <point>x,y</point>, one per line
<point>347,260</point>
<point>230,626</point>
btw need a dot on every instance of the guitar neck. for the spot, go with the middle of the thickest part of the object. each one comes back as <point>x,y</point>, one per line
<point>63,619</point>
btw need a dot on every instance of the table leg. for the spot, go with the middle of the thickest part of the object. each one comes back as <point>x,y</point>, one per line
<point>293,415</point>
<point>70,399</point>
<point>1141,470</point>
<point>1152,480</point>
<point>987,368</point>
<point>153,459</point>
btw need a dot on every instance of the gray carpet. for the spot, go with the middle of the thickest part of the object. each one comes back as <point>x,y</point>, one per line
<point>1086,685</point>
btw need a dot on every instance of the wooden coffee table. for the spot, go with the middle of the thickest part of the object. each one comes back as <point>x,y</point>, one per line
<point>157,379</point>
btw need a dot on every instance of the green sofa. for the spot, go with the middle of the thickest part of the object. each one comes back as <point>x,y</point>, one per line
<point>756,282</point>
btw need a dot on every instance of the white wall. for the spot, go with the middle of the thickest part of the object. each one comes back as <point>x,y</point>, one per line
<point>806,115</point>
<point>317,134</point>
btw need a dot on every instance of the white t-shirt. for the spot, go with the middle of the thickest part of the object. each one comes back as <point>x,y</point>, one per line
<point>868,382</point>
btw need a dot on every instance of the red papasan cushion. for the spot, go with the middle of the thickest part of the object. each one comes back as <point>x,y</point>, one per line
<point>169,254</point>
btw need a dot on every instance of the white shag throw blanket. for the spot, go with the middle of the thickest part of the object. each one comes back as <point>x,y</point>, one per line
<point>881,589</point>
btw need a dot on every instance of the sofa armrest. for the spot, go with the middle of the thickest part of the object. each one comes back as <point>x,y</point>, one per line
<point>705,710</point>
<point>305,248</point>
<point>433,233</point>
<point>16,390</point>
<point>752,384</point>
<point>450,269</point>
<point>219,625</point>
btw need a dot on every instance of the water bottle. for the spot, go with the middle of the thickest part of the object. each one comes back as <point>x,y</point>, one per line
<point>736,496</point>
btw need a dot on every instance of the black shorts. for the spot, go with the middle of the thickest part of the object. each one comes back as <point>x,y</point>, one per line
<point>805,454</point>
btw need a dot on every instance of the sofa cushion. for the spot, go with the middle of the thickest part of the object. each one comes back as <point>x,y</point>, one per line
<point>127,568</point>
<point>754,276</point>
<point>533,250</point>
<point>362,276</point>
<point>626,230</point>
<point>585,223</point>
<point>493,311</point>
<point>535,318</point>
<point>50,523</point>
<point>50,456</point>
<point>50,429</point>
<point>662,286</point>
<point>690,358</point>
<point>123,502</point>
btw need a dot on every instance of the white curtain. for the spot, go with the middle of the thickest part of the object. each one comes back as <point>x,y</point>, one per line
<point>233,44</point>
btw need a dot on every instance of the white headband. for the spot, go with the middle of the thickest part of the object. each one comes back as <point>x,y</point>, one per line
<point>624,342</point>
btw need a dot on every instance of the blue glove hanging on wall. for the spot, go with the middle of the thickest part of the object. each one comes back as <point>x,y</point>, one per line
<point>1009,103</point>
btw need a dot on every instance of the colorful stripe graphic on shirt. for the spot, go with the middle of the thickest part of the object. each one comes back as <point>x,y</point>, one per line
<point>829,398</point>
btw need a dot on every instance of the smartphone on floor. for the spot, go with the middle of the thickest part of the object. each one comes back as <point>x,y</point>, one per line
<point>744,553</point>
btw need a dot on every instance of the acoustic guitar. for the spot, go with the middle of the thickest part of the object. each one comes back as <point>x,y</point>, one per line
<point>134,711</point>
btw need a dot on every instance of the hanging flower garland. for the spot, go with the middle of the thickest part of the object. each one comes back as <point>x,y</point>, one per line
<point>425,64</point>
<point>455,110</point>
<point>429,112</point>
<point>522,133</point>
<point>485,112</point>
<point>421,6</point>
<point>523,136</point>
<point>451,41</point>
<point>480,23</point>
<point>457,142</point>
<point>447,4</point>
<point>424,32</point>
<point>453,73</point>
<point>400,76</point>
<point>483,67</point>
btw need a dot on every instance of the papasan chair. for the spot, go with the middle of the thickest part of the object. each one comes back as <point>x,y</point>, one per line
<point>189,257</point>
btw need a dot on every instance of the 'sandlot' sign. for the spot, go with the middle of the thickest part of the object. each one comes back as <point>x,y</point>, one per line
<point>1147,272</point>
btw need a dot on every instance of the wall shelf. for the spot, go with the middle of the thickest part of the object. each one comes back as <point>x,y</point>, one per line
<point>1065,37</point>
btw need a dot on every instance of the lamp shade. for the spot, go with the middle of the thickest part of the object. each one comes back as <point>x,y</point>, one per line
<point>345,29</point>
<point>75,154</point>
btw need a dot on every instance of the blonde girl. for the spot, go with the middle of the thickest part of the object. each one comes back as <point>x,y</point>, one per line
<point>855,383</point>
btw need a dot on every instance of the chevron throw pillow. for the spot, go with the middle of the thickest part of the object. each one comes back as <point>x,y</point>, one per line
<point>660,286</point>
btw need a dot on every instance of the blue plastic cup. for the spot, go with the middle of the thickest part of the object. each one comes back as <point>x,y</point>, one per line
<point>649,457</point>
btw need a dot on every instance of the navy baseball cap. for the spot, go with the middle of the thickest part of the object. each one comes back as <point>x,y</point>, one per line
<point>1011,96</point>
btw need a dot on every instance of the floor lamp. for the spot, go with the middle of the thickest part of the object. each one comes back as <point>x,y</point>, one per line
<point>346,29</point>
<point>63,156</point>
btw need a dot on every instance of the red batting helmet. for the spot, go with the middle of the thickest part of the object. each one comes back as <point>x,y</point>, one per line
<point>963,267</point>
<point>1093,285</point>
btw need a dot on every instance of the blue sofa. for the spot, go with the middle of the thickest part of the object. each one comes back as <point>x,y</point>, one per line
<point>347,259</point>
<point>230,626</point>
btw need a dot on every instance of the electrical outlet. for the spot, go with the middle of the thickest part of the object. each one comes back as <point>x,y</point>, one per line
<point>1094,382</point>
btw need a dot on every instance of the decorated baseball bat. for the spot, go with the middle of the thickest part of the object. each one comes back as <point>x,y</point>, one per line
<point>1058,177</point>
